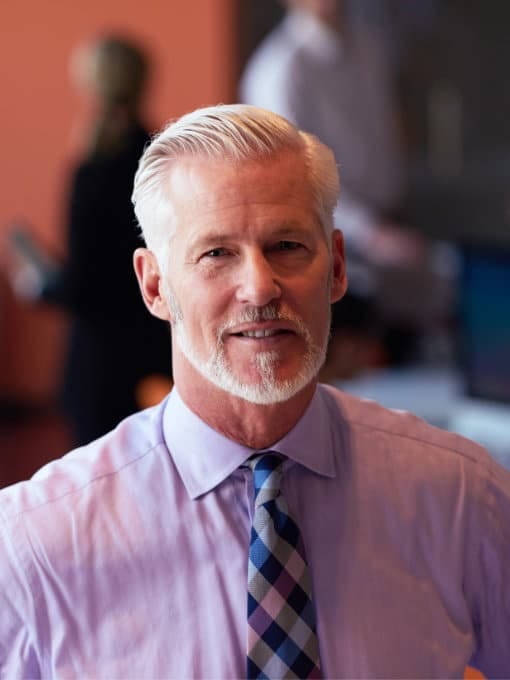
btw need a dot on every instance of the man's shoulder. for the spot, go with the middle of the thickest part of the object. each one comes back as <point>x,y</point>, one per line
<point>80,470</point>
<point>368,420</point>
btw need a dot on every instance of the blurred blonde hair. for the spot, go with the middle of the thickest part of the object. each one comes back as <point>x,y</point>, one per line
<point>119,72</point>
<point>114,70</point>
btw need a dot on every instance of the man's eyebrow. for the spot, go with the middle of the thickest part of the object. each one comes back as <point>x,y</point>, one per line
<point>279,230</point>
<point>210,239</point>
<point>291,228</point>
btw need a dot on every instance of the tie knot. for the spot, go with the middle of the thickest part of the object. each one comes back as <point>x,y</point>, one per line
<point>267,475</point>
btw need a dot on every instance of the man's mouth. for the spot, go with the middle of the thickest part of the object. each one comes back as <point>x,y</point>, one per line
<point>261,334</point>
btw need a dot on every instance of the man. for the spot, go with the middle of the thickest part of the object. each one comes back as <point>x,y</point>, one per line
<point>157,550</point>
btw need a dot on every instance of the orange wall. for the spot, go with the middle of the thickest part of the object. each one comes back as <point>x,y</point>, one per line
<point>193,49</point>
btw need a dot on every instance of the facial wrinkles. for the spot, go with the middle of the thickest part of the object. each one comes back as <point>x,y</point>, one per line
<point>270,390</point>
<point>266,313</point>
<point>215,368</point>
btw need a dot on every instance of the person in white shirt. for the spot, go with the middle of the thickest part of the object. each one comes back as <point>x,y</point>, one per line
<point>335,80</point>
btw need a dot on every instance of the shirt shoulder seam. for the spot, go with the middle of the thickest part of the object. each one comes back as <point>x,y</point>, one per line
<point>423,441</point>
<point>7,518</point>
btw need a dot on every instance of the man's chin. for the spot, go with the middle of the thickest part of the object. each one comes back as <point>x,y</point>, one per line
<point>263,391</point>
<point>264,380</point>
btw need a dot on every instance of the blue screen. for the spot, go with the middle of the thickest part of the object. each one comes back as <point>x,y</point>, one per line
<point>485,323</point>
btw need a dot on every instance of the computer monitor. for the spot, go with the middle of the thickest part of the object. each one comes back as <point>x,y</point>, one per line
<point>484,313</point>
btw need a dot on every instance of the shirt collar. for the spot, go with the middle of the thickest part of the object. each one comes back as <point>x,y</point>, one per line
<point>204,457</point>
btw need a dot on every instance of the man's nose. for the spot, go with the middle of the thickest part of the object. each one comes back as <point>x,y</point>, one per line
<point>258,285</point>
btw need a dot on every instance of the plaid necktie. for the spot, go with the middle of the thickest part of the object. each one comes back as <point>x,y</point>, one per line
<point>282,641</point>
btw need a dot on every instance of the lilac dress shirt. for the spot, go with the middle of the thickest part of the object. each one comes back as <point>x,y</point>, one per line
<point>127,558</point>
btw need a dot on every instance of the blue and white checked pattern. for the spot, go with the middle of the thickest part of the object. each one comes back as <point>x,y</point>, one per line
<point>282,640</point>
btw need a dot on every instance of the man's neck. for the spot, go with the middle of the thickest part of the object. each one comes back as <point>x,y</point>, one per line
<point>257,426</point>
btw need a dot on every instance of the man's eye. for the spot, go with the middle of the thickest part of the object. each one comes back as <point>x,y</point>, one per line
<point>215,252</point>
<point>288,245</point>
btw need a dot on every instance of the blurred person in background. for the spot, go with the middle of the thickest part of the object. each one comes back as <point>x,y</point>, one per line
<point>115,344</point>
<point>334,77</point>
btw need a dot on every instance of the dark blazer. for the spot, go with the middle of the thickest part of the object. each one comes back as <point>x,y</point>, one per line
<point>114,341</point>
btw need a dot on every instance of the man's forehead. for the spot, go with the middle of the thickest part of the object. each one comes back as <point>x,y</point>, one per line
<point>194,169</point>
<point>204,194</point>
<point>209,182</point>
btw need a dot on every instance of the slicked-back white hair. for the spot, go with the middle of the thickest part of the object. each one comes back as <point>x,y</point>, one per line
<point>234,133</point>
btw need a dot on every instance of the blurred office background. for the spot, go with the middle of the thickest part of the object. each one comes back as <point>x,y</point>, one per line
<point>450,59</point>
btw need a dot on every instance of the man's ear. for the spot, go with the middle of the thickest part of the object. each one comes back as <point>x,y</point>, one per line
<point>339,279</point>
<point>149,279</point>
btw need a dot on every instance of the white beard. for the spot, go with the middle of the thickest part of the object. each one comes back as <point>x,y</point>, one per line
<point>269,390</point>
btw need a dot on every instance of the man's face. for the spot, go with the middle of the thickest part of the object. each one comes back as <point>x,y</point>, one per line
<point>250,276</point>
